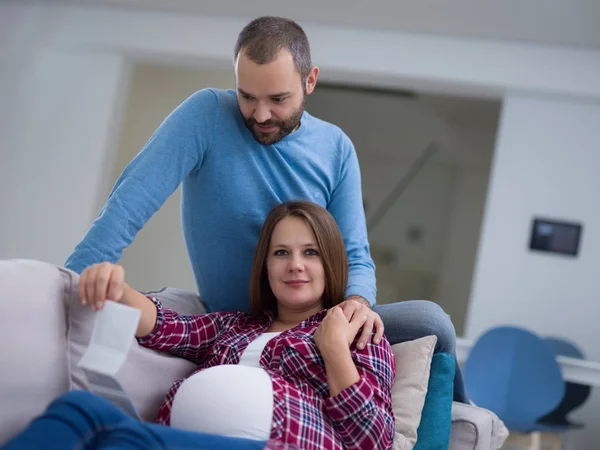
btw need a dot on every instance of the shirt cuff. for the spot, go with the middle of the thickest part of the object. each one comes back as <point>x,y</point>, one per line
<point>350,402</point>
<point>160,318</point>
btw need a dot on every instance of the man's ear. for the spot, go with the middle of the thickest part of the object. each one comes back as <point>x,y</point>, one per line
<point>311,80</point>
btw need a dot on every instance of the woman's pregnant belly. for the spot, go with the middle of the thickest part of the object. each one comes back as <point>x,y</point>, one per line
<point>229,400</point>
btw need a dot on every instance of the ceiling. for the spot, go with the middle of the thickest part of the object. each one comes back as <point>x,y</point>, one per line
<point>562,22</point>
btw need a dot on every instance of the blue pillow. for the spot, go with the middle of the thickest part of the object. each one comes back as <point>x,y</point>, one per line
<point>436,419</point>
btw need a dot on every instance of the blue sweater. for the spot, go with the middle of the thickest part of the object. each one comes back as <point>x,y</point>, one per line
<point>230,183</point>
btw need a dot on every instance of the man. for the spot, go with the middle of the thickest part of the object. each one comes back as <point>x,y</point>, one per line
<point>238,154</point>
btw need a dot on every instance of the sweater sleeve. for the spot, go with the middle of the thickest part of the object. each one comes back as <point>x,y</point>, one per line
<point>175,149</point>
<point>346,206</point>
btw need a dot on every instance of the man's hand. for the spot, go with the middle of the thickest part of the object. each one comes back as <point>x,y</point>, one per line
<point>356,305</point>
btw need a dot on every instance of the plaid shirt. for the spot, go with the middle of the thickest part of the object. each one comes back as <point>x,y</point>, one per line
<point>304,415</point>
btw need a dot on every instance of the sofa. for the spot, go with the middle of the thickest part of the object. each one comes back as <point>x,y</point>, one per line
<point>45,330</point>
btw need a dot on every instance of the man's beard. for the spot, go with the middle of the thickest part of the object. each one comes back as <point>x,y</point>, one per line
<point>285,127</point>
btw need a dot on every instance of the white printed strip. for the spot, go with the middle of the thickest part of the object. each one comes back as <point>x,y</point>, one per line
<point>112,337</point>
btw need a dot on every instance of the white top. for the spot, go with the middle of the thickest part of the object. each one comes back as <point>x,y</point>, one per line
<point>251,355</point>
<point>230,400</point>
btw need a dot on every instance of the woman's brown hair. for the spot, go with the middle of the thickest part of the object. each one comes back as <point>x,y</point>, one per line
<point>331,248</point>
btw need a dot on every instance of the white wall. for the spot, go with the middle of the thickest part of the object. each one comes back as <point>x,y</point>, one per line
<point>18,43</point>
<point>58,151</point>
<point>546,164</point>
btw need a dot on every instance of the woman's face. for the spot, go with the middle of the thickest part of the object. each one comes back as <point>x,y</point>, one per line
<point>294,266</point>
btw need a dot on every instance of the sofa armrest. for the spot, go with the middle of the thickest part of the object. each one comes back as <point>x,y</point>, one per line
<point>475,428</point>
<point>32,331</point>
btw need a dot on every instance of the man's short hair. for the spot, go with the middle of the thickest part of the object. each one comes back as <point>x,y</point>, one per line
<point>264,37</point>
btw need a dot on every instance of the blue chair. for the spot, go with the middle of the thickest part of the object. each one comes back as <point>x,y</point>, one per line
<point>575,394</point>
<point>514,373</point>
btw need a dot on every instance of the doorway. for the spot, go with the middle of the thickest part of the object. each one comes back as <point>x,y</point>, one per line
<point>425,162</point>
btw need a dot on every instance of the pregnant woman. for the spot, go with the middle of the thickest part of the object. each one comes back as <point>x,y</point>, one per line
<point>289,375</point>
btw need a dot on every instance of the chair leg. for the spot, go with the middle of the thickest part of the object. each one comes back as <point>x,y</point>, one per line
<point>555,441</point>
<point>535,442</point>
<point>515,440</point>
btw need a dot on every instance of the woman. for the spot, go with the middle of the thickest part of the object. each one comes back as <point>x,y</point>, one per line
<point>287,375</point>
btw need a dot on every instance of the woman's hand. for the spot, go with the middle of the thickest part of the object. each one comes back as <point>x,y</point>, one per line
<point>106,281</point>
<point>333,338</point>
<point>336,332</point>
<point>102,282</point>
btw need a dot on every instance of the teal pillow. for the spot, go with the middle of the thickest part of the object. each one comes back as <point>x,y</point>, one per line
<point>434,430</point>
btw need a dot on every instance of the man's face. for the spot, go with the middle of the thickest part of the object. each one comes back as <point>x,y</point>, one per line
<point>271,96</point>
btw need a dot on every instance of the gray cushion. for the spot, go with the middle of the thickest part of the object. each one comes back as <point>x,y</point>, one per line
<point>186,303</point>
<point>475,428</point>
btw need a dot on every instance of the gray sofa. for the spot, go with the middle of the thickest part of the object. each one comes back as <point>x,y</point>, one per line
<point>44,331</point>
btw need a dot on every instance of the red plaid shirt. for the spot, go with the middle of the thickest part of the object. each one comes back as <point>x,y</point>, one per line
<point>304,415</point>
